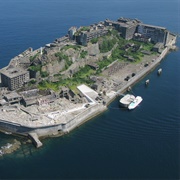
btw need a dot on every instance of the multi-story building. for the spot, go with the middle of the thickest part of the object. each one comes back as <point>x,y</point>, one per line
<point>126,27</point>
<point>155,33</point>
<point>85,36</point>
<point>72,32</point>
<point>13,77</point>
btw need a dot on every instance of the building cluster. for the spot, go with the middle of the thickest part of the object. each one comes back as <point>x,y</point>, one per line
<point>27,98</point>
<point>14,77</point>
<point>126,27</point>
<point>84,35</point>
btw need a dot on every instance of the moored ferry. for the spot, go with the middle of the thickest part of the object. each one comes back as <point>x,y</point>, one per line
<point>126,100</point>
<point>135,102</point>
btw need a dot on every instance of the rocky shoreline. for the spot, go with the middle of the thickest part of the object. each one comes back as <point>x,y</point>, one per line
<point>10,147</point>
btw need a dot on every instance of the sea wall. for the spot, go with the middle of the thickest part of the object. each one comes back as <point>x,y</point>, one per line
<point>90,112</point>
<point>13,127</point>
<point>144,71</point>
<point>59,129</point>
<point>16,128</point>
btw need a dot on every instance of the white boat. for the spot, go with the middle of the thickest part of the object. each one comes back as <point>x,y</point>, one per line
<point>7,132</point>
<point>126,100</point>
<point>135,102</point>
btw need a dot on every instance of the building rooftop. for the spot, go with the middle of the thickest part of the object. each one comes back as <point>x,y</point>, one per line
<point>88,92</point>
<point>123,22</point>
<point>127,99</point>
<point>152,26</point>
<point>12,72</point>
<point>41,115</point>
<point>12,95</point>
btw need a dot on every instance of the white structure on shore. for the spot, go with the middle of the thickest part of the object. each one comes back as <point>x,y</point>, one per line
<point>89,93</point>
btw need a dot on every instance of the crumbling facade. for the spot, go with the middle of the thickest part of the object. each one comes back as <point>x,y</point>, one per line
<point>14,77</point>
<point>155,33</point>
<point>86,36</point>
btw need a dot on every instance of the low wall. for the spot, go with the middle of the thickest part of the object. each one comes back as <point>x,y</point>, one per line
<point>23,130</point>
<point>83,117</point>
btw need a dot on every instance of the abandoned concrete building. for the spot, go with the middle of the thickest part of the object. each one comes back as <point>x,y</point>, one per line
<point>86,36</point>
<point>158,47</point>
<point>14,77</point>
<point>126,27</point>
<point>72,32</point>
<point>12,97</point>
<point>155,33</point>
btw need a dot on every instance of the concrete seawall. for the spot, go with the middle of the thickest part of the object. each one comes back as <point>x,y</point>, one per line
<point>83,117</point>
<point>143,72</point>
<point>35,133</point>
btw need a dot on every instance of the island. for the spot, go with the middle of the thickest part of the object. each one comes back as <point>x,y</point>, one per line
<point>54,89</point>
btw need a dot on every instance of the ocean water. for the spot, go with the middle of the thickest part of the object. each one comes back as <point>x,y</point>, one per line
<point>118,144</point>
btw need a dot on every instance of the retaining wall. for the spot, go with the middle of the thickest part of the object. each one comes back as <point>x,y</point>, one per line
<point>84,116</point>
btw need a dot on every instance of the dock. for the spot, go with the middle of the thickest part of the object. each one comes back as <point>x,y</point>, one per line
<point>35,139</point>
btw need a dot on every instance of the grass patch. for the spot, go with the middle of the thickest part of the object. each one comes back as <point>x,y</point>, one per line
<point>32,58</point>
<point>83,54</point>
<point>75,47</point>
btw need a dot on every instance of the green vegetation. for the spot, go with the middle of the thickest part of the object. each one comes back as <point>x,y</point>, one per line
<point>44,85</point>
<point>35,68</point>
<point>103,64</point>
<point>75,47</point>
<point>94,40</point>
<point>107,44</point>
<point>82,76</point>
<point>33,81</point>
<point>44,74</point>
<point>33,57</point>
<point>85,28</point>
<point>83,54</point>
<point>68,63</point>
<point>114,33</point>
<point>61,56</point>
<point>121,50</point>
<point>147,46</point>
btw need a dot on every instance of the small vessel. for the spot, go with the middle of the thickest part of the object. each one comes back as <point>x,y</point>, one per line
<point>147,82</point>
<point>159,71</point>
<point>7,132</point>
<point>126,100</point>
<point>134,103</point>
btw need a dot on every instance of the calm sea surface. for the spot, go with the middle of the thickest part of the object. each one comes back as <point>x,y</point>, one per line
<point>139,144</point>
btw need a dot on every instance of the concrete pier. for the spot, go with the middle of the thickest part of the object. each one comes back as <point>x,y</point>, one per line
<point>34,137</point>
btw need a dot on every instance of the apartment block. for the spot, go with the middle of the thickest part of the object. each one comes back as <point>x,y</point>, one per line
<point>155,33</point>
<point>13,77</point>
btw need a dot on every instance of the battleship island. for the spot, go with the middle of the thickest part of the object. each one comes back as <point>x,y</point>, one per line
<point>54,89</point>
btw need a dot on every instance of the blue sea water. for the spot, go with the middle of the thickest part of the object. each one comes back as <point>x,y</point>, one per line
<point>118,144</point>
